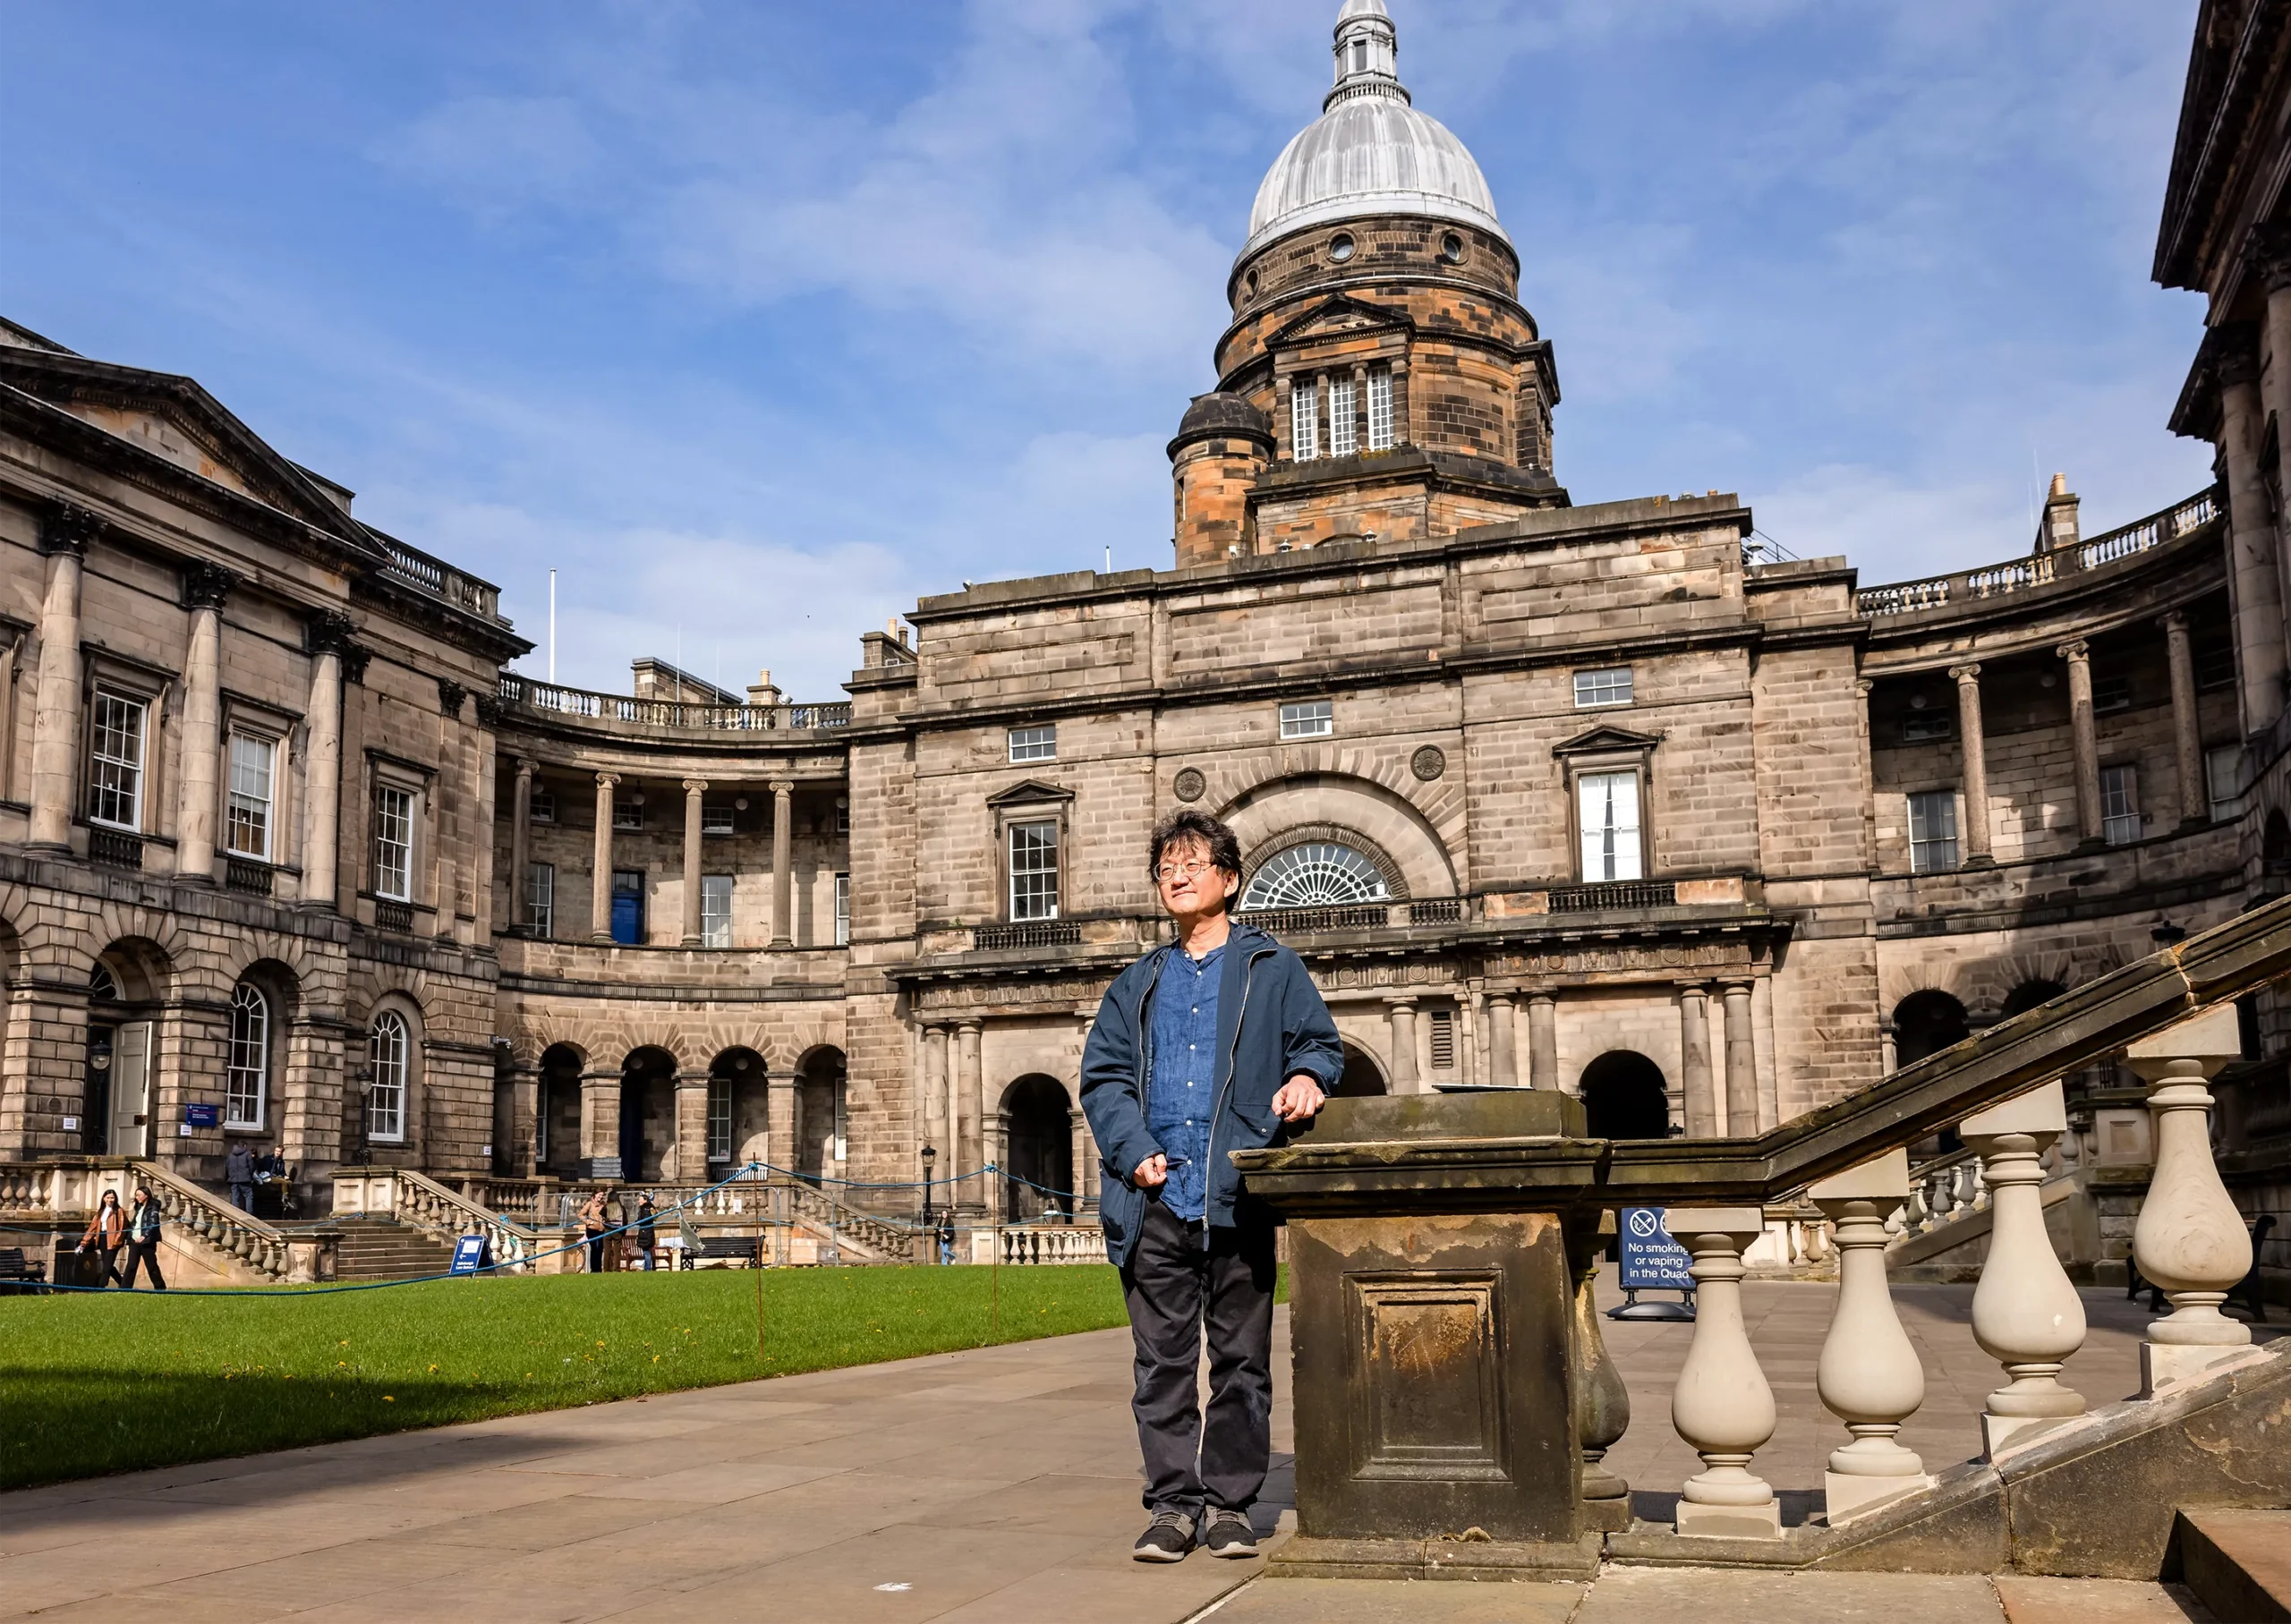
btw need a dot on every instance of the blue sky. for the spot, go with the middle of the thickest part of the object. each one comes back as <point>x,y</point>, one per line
<point>757,320</point>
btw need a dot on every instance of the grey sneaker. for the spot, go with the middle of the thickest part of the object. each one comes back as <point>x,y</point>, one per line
<point>1229,1534</point>
<point>1167,1538</point>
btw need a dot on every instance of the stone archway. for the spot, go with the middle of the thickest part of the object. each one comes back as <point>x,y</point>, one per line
<point>647,1112</point>
<point>557,1111</point>
<point>1362,1076</point>
<point>821,1106</point>
<point>739,1110</point>
<point>1624,1097</point>
<point>1926,1024</point>
<point>1037,1148</point>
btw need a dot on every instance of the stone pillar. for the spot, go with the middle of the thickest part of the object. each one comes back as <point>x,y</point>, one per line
<point>1974,743</point>
<point>520,849</point>
<point>1868,1375</point>
<point>937,1102</point>
<point>2085,739</point>
<point>2273,255</point>
<point>2255,574</point>
<point>1694,1063</point>
<point>600,1119</point>
<point>970,1126</point>
<point>329,639</point>
<point>783,859</point>
<point>694,788</point>
<point>1741,1062</point>
<point>781,1101</point>
<point>691,1127</point>
<point>1404,1079</point>
<point>204,588</point>
<point>2025,1314</point>
<point>1543,1041</point>
<point>1721,1404</point>
<point>1503,1054</point>
<point>56,703</point>
<point>2187,734</point>
<point>600,863</point>
<point>1769,1081</point>
<point>524,1118</point>
<point>1081,1127</point>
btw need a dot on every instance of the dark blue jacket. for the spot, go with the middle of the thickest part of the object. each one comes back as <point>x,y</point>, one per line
<point>1270,1026</point>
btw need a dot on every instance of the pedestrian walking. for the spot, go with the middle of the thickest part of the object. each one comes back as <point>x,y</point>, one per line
<point>106,1234</point>
<point>947,1238</point>
<point>143,1240</point>
<point>644,1233</point>
<point>1215,1043</point>
<point>238,1172</point>
<point>592,1230</point>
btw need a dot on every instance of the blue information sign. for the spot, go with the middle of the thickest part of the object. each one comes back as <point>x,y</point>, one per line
<point>202,1115</point>
<point>470,1254</point>
<point>1650,1260</point>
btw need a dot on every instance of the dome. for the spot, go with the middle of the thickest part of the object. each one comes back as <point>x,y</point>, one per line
<point>1224,413</point>
<point>1370,151</point>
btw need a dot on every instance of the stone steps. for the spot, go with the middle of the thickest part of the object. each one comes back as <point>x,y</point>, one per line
<point>375,1249</point>
<point>2237,1562</point>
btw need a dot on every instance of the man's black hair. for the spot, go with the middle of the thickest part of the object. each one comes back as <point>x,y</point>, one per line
<point>1185,826</point>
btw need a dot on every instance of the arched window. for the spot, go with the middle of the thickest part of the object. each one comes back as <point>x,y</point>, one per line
<point>391,1048</point>
<point>1320,875</point>
<point>246,1082</point>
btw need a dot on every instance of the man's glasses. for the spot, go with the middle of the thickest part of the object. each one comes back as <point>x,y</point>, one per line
<point>1170,874</point>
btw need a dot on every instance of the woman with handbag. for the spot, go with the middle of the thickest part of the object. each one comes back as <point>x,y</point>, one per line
<point>106,1234</point>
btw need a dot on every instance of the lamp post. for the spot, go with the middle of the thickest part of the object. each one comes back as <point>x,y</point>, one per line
<point>929,1156</point>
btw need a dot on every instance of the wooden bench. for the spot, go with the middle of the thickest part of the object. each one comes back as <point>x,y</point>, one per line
<point>719,1249</point>
<point>18,1273</point>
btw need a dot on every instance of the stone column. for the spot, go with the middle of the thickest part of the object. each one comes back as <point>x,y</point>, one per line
<point>2025,1314</point>
<point>783,859</point>
<point>1769,1081</point>
<point>1404,1080</point>
<point>2085,739</point>
<point>1694,1063</point>
<point>600,1119</point>
<point>782,1101</point>
<point>56,703</point>
<point>1503,1054</point>
<point>1741,1062</point>
<point>1081,1127</point>
<point>1721,1404</point>
<point>600,863</point>
<point>970,1126</point>
<point>520,849</point>
<point>2255,574</point>
<point>1868,1375</point>
<point>2187,736</point>
<point>691,1127</point>
<point>694,788</point>
<point>2271,251</point>
<point>937,1116</point>
<point>1974,745</point>
<point>1543,1041</point>
<point>329,641</point>
<point>524,1116</point>
<point>204,587</point>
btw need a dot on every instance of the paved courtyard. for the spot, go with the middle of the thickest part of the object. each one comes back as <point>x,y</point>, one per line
<point>999,1485</point>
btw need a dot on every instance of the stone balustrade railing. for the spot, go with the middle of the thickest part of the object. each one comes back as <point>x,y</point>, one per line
<point>421,1202</point>
<point>240,1236</point>
<point>524,693</point>
<point>1050,1243</point>
<point>441,579</point>
<point>771,1199</point>
<point>520,1198</point>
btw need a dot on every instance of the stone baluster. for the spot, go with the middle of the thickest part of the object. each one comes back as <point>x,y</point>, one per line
<point>2025,1314</point>
<point>1721,1404</point>
<point>1602,1401</point>
<point>1868,1375</point>
<point>2190,1239</point>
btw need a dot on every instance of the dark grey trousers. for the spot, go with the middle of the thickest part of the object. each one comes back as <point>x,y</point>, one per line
<point>1181,1278</point>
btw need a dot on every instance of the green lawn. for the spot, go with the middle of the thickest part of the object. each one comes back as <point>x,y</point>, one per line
<point>91,1384</point>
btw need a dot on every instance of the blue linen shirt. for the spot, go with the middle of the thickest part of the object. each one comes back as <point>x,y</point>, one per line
<point>1180,1098</point>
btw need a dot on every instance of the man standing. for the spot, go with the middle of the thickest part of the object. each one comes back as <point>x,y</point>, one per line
<point>238,1172</point>
<point>1213,1045</point>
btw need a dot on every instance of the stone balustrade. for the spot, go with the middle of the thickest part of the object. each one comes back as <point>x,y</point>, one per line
<point>421,1202</point>
<point>1031,1244</point>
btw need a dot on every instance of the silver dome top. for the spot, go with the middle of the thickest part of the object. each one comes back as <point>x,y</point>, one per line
<point>1369,151</point>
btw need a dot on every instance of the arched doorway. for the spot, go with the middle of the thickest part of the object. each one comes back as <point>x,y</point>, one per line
<point>648,1111</point>
<point>1037,1148</point>
<point>557,1111</point>
<point>1362,1075</point>
<point>739,1111</point>
<point>822,1126</point>
<point>1926,1024</point>
<point>118,1115</point>
<point>2029,994</point>
<point>1624,1097</point>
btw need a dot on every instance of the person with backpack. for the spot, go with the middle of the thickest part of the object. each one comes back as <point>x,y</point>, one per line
<point>143,1240</point>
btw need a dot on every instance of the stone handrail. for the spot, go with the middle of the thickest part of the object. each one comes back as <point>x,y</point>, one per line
<point>524,693</point>
<point>510,1197</point>
<point>440,579</point>
<point>421,1202</point>
<point>2042,569</point>
<point>773,1199</point>
<point>1053,1244</point>
<point>260,1246</point>
<point>27,1186</point>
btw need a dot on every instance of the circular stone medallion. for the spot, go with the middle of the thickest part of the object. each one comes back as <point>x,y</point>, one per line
<point>1429,762</point>
<point>1189,785</point>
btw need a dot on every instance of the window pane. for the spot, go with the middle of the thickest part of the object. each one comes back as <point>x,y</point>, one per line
<point>544,805</point>
<point>1607,805</point>
<point>246,1078</point>
<point>2223,776</point>
<point>1034,871</point>
<point>1343,430</point>
<point>541,897</point>
<point>390,1054</point>
<point>1305,422</point>
<point>394,843</point>
<point>716,910</point>
<point>1594,688</point>
<point>248,811</point>
<point>1933,831</point>
<point>1380,410</point>
<point>1313,719</point>
<point>716,817</point>
<point>720,1119</point>
<point>116,762</point>
<point>628,811</point>
<point>2119,804</point>
<point>843,910</point>
<point>1321,874</point>
<point>1033,743</point>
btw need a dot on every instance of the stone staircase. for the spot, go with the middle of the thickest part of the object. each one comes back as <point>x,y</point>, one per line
<point>2237,1562</point>
<point>383,1249</point>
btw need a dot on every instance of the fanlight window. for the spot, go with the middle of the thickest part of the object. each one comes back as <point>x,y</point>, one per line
<point>1315,876</point>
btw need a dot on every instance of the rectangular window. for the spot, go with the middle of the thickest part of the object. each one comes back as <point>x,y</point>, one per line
<point>1924,726</point>
<point>1593,689</point>
<point>2120,804</point>
<point>1033,743</point>
<point>629,907</point>
<point>248,811</point>
<point>842,816</point>
<point>1034,871</point>
<point>2223,781</point>
<point>2112,692</point>
<point>394,843</point>
<point>720,1119</point>
<point>715,910</point>
<point>716,817</point>
<point>1305,422</point>
<point>544,804</point>
<point>842,1148</point>
<point>1609,806</point>
<point>1380,409</point>
<point>843,910</point>
<point>116,762</point>
<point>628,811</point>
<point>1443,1040</point>
<point>1933,831</point>
<point>1312,720</point>
<point>2215,665</point>
<point>1344,426</point>
<point>541,897</point>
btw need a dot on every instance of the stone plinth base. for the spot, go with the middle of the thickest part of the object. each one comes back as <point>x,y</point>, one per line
<point>1483,1559</point>
<point>1847,1497</point>
<point>1729,1522</point>
<point>2161,1362</point>
<point>2001,1432</point>
<point>1607,1516</point>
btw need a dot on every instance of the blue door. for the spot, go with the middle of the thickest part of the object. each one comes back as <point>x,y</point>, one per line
<point>627,905</point>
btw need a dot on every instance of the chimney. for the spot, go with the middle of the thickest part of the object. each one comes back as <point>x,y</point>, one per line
<point>762,692</point>
<point>2058,532</point>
